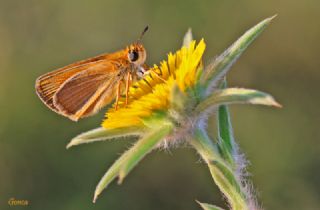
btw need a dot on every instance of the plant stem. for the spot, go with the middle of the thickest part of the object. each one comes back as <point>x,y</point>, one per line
<point>221,171</point>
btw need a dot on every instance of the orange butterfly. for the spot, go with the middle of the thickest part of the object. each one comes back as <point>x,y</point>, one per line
<point>81,89</point>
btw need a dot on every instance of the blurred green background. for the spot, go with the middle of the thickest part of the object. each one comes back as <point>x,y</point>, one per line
<point>37,36</point>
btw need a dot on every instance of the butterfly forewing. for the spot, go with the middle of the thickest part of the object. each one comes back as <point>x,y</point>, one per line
<point>49,83</point>
<point>81,89</point>
<point>80,94</point>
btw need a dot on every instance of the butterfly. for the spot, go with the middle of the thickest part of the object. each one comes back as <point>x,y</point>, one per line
<point>82,88</point>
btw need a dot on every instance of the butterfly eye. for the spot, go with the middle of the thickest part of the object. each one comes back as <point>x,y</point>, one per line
<point>133,56</point>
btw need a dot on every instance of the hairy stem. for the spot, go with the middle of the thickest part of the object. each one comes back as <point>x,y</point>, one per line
<point>221,171</point>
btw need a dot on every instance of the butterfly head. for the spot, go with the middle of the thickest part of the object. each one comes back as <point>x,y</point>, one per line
<point>137,54</point>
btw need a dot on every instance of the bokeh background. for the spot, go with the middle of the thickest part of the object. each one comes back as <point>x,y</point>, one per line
<point>37,36</point>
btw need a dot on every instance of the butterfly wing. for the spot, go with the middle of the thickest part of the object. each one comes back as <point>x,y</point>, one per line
<point>48,84</point>
<point>87,91</point>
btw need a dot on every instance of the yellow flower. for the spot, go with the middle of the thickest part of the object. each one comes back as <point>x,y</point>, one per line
<point>153,93</point>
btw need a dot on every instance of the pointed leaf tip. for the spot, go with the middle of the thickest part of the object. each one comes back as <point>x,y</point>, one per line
<point>95,197</point>
<point>267,20</point>
<point>273,17</point>
<point>129,159</point>
<point>206,206</point>
<point>220,65</point>
<point>236,96</point>
<point>267,100</point>
<point>101,134</point>
<point>187,39</point>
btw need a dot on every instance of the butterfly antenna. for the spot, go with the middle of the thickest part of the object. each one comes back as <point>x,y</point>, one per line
<point>143,32</point>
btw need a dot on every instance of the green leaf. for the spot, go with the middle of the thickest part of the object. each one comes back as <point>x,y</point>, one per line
<point>206,206</point>
<point>100,134</point>
<point>236,96</point>
<point>131,157</point>
<point>217,69</point>
<point>187,39</point>
<point>225,127</point>
<point>227,144</point>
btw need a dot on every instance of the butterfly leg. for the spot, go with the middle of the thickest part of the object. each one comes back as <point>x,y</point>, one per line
<point>127,86</point>
<point>118,94</point>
